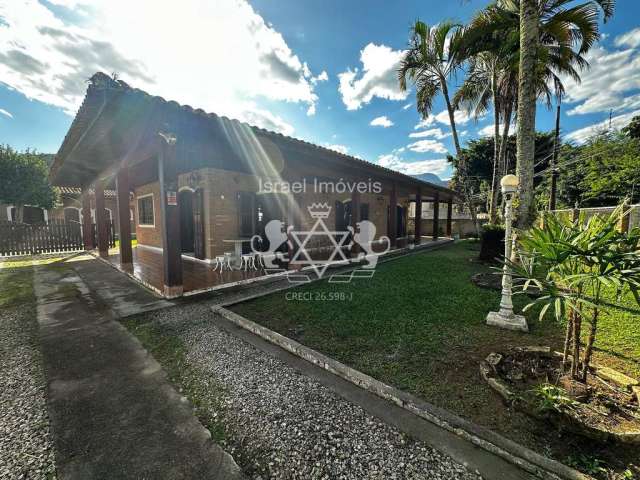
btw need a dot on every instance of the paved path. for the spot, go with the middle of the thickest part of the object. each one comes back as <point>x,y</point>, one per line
<point>113,412</point>
<point>282,423</point>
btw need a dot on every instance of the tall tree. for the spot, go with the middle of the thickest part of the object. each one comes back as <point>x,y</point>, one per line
<point>23,180</point>
<point>433,57</point>
<point>565,26</point>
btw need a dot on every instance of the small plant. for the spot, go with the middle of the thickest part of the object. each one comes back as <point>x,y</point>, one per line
<point>552,398</point>
<point>586,464</point>
<point>570,265</point>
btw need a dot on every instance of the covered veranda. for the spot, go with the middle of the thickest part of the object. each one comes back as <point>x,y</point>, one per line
<point>123,138</point>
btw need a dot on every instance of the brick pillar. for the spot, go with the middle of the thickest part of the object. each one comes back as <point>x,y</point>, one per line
<point>355,218</point>
<point>449,216</point>
<point>393,214</point>
<point>87,234</point>
<point>102,228</point>
<point>418,218</point>
<point>436,216</point>
<point>170,217</point>
<point>122,189</point>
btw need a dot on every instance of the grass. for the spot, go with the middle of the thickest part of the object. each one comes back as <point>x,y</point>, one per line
<point>419,324</point>
<point>167,348</point>
<point>16,287</point>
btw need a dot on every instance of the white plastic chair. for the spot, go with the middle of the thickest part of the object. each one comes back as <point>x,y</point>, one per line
<point>247,261</point>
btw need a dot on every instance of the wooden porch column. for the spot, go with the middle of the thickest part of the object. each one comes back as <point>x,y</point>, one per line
<point>449,216</point>
<point>102,231</point>
<point>393,213</point>
<point>436,216</point>
<point>418,219</point>
<point>122,189</point>
<point>170,217</point>
<point>355,218</point>
<point>87,236</point>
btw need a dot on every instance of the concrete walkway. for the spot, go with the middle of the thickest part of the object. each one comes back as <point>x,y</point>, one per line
<point>113,412</point>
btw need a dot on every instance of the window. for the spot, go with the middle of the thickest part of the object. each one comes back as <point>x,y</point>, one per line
<point>145,211</point>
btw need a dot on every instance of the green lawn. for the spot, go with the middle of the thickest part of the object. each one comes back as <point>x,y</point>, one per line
<point>419,324</point>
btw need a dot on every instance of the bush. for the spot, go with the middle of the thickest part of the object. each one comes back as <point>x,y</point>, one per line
<point>491,242</point>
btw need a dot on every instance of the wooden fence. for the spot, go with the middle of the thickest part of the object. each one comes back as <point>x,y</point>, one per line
<point>25,239</point>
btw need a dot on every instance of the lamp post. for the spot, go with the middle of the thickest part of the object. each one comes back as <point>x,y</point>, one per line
<point>505,318</point>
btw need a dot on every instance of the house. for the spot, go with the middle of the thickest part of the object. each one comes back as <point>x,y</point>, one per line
<point>198,182</point>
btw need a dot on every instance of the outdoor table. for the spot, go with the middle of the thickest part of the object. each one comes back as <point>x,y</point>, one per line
<point>238,248</point>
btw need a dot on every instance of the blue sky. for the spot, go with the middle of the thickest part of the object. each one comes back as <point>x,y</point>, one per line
<point>318,70</point>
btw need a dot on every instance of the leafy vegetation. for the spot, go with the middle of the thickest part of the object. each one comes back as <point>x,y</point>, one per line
<point>24,180</point>
<point>572,265</point>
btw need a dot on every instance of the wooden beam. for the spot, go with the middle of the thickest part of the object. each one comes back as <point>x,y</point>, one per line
<point>87,234</point>
<point>418,218</point>
<point>449,216</point>
<point>436,216</point>
<point>393,216</point>
<point>102,227</point>
<point>170,217</point>
<point>122,195</point>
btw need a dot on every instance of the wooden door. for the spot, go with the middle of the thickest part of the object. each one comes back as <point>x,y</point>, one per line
<point>198,224</point>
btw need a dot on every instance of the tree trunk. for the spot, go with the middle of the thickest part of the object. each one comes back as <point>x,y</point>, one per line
<point>504,143</point>
<point>527,110</point>
<point>567,341</point>
<point>575,361</point>
<point>493,214</point>
<point>462,165</point>
<point>589,350</point>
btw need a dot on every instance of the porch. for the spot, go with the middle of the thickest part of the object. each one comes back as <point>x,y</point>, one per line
<point>146,267</point>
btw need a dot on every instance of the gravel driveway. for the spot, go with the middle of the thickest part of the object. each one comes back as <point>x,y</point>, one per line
<point>281,424</point>
<point>26,450</point>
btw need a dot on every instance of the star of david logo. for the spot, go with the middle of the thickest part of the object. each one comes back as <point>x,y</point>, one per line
<point>319,229</point>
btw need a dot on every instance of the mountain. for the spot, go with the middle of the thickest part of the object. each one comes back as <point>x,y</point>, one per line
<point>431,178</point>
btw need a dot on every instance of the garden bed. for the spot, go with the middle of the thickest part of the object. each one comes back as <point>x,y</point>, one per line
<point>532,379</point>
<point>419,325</point>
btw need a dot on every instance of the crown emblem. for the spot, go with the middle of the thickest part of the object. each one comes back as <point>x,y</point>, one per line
<point>319,210</point>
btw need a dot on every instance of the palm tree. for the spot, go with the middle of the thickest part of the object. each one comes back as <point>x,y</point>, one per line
<point>563,27</point>
<point>482,86</point>
<point>433,57</point>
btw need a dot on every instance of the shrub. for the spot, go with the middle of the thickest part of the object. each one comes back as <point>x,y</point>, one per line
<point>491,242</point>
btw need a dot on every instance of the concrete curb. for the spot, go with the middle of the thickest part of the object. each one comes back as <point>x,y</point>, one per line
<point>526,459</point>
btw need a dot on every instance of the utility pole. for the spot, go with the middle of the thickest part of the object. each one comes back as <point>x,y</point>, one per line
<point>554,163</point>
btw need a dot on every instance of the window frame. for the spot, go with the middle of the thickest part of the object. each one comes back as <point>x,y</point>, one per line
<point>153,211</point>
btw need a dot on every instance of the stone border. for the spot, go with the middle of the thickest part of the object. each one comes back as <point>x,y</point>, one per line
<point>488,371</point>
<point>524,458</point>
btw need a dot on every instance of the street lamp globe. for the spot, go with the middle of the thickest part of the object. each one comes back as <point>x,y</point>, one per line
<point>509,183</point>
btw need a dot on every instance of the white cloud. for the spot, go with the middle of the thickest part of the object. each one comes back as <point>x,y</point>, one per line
<point>614,76</point>
<point>378,78</point>
<point>422,146</point>
<point>461,118</point>
<point>407,106</point>
<point>323,77</point>
<point>395,162</point>
<point>629,39</point>
<point>582,135</point>
<point>338,148</point>
<point>382,121</point>
<point>6,113</point>
<point>432,132</point>
<point>489,130</point>
<point>220,56</point>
